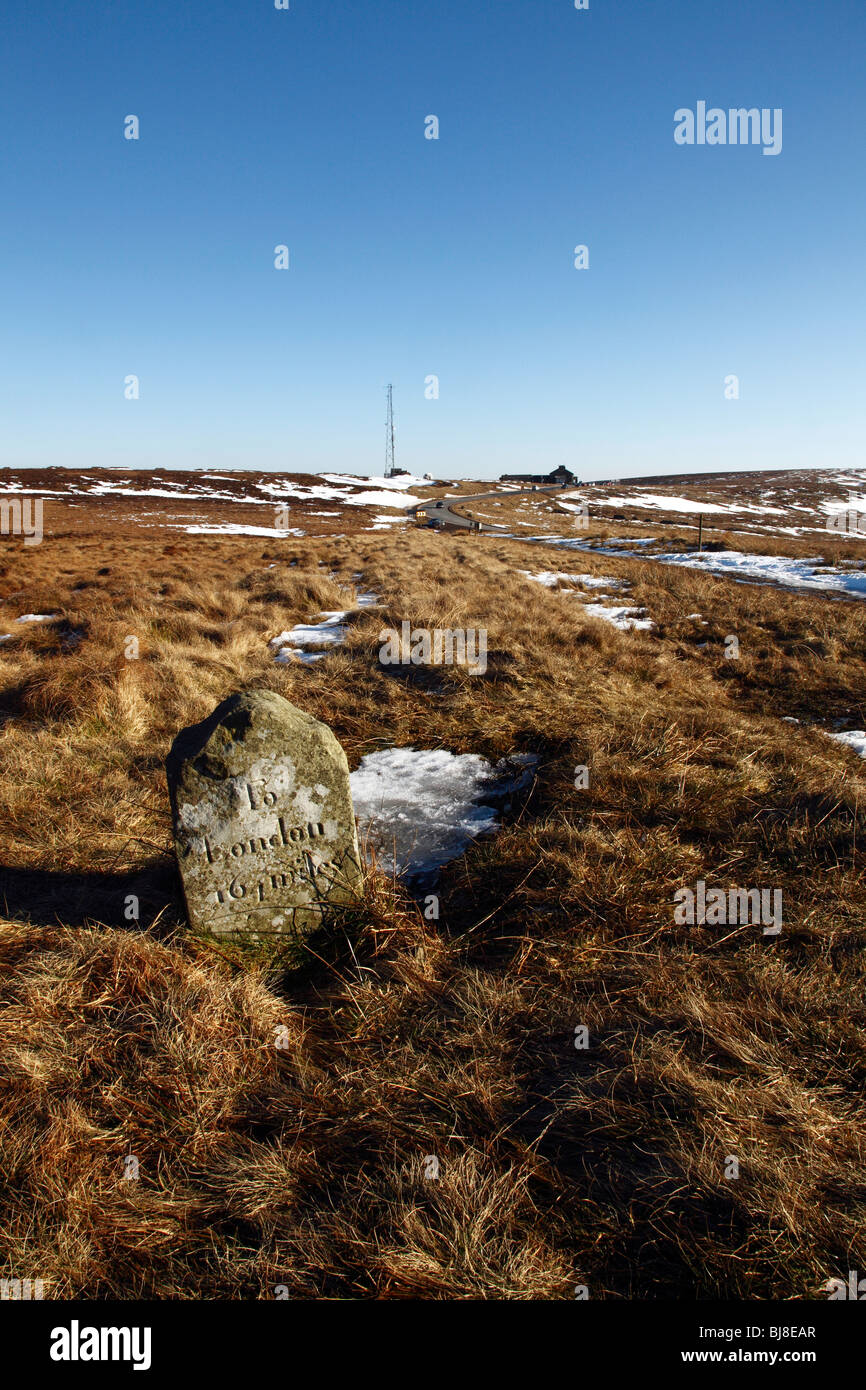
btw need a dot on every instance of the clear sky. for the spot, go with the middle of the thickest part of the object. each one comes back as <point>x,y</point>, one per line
<point>411,257</point>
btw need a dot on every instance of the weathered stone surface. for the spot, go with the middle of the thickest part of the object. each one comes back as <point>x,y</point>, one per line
<point>263,823</point>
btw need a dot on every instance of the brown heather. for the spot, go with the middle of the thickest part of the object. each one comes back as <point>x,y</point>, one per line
<point>304,1166</point>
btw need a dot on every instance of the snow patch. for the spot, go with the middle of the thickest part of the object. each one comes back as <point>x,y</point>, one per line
<point>768,569</point>
<point>550,578</point>
<point>421,807</point>
<point>236,528</point>
<point>854,738</point>
<point>381,499</point>
<point>330,633</point>
<point>654,501</point>
<point>403,481</point>
<point>807,574</point>
<point>287,656</point>
<point>623,618</point>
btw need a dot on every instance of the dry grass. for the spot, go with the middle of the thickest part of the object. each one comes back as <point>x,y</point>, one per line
<point>303,1165</point>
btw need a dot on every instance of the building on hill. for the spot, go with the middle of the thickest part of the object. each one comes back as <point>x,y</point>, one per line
<point>561,475</point>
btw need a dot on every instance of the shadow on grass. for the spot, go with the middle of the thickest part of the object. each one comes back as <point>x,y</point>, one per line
<point>148,899</point>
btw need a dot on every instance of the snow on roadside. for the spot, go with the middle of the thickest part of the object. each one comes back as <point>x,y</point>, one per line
<point>420,808</point>
<point>382,521</point>
<point>37,617</point>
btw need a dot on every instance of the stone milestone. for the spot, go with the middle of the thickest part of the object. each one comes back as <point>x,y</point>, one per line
<point>263,822</point>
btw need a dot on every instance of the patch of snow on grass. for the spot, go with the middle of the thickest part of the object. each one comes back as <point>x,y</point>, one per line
<point>623,618</point>
<point>407,480</point>
<point>381,499</point>
<point>422,807</point>
<point>330,633</point>
<point>779,569</point>
<point>236,528</point>
<point>630,540</point>
<point>288,656</point>
<point>655,501</point>
<point>283,489</point>
<point>113,490</point>
<point>855,500</point>
<point>854,738</point>
<point>550,578</point>
<point>808,574</point>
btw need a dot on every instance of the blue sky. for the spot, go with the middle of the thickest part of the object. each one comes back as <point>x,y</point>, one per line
<point>411,257</point>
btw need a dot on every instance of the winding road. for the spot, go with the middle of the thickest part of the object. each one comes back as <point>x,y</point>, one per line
<point>439,509</point>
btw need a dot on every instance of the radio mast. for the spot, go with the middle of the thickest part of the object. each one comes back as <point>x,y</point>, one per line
<point>389,435</point>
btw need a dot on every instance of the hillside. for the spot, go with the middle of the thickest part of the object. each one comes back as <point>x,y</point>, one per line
<point>408,1036</point>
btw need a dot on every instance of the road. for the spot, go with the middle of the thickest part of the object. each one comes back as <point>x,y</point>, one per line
<point>440,508</point>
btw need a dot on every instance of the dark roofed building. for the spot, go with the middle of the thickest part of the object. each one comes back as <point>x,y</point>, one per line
<point>559,475</point>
